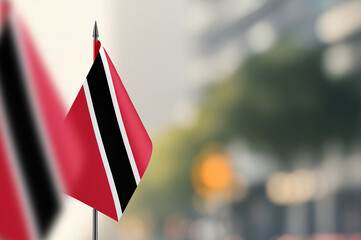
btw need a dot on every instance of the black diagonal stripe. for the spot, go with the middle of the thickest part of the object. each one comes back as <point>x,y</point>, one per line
<point>22,126</point>
<point>110,133</point>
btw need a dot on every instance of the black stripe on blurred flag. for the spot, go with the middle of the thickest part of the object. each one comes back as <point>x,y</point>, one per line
<point>110,132</point>
<point>25,135</point>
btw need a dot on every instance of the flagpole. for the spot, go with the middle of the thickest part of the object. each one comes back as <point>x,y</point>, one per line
<point>95,224</point>
<point>95,52</point>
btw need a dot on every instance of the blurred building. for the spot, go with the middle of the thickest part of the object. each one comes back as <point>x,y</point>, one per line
<point>225,33</point>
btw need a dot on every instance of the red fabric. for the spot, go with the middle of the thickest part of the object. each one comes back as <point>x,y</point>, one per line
<point>91,187</point>
<point>96,47</point>
<point>139,140</point>
<point>13,223</point>
<point>4,12</point>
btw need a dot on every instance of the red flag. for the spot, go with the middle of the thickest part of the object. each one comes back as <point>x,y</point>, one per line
<point>118,148</point>
<point>31,136</point>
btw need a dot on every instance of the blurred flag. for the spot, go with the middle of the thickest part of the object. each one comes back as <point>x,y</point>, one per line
<point>118,146</point>
<point>4,11</point>
<point>31,117</point>
<point>15,220</point>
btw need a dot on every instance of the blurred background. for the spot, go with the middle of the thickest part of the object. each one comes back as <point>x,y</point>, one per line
<point>253,106</point>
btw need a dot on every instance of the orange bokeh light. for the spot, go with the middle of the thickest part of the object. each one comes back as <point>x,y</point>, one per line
<point>215,179</point>
<point>215,172</point>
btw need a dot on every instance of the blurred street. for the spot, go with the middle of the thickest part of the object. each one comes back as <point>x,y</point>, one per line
<point>253,107</point>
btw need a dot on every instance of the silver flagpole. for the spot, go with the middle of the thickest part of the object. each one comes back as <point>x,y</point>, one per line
<point>95,224</point>
<point>95,212</point>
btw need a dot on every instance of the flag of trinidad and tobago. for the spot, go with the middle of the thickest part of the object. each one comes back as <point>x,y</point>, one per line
<point>116,146</point>
<point>32,138</point>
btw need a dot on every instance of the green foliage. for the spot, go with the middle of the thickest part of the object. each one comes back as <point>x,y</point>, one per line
<point>283,103</point>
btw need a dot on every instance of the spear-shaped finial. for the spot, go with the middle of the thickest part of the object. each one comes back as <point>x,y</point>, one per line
<point>95,32</point>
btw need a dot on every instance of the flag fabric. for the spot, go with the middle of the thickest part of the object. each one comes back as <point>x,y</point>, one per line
<point>4,11</point>
<point>15,222</point>
<point>118,148</point>
<point>31,136</point>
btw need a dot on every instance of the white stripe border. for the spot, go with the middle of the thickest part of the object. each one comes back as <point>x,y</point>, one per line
<point>102,150</point>
<point>119,116</point>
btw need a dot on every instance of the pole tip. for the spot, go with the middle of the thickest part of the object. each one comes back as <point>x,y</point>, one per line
<point>95,31</point>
